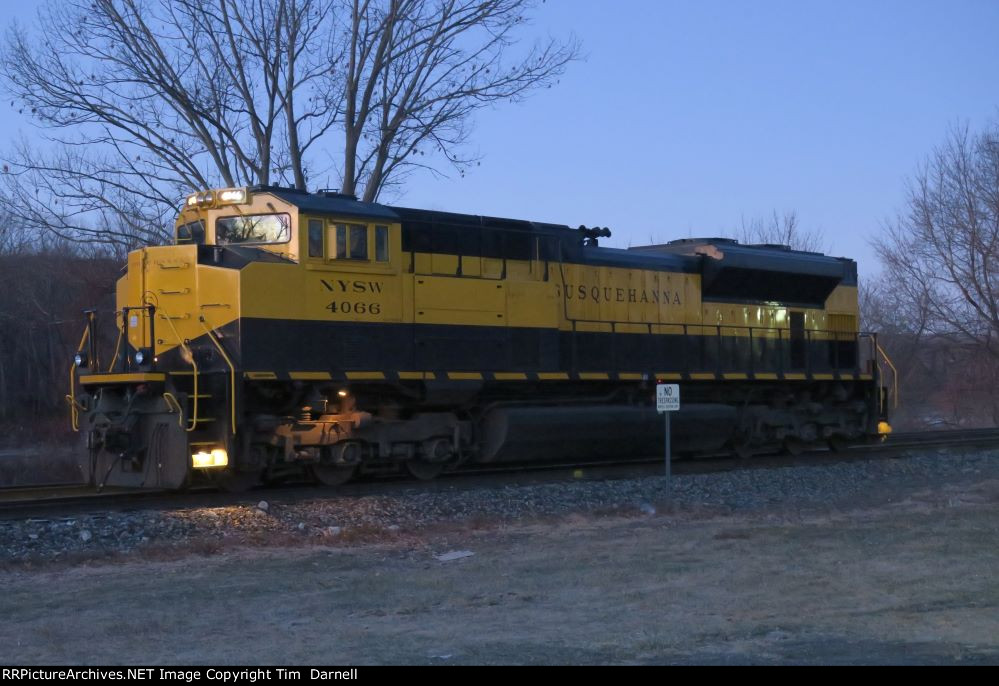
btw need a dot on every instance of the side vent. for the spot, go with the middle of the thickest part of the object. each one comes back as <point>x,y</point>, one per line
<point>841,323</point>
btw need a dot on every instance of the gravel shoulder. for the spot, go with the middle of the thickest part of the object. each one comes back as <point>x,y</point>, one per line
<point>891,561</point>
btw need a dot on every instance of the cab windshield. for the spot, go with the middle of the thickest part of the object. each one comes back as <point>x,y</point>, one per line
<point>192,232</point>
<point>256,229</point>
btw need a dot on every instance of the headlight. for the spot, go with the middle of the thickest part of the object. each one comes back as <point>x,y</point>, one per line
<point>232,196</point>
<point>80,360</point>
<point>205,460</point>
<point>140,357</point>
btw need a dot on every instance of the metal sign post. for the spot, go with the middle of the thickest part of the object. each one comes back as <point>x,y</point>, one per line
<point>667,401</point>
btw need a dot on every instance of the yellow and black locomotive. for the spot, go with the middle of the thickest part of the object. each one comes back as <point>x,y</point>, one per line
<point>288,331</point>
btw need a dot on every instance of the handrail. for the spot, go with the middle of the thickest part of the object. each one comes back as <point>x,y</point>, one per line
<point>894,376</point>
<point>188,355</point>
<point>768,347</point>
<point>171,400</point>
<point>232,373</point>
<point>74,415</point>
<point>117,345</point>
<point>834,333</point>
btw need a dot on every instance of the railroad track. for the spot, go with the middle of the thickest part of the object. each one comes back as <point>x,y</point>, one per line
<point>66,499</point>
<point>956,437</point>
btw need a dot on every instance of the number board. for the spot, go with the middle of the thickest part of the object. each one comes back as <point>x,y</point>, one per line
<point>667,397</point>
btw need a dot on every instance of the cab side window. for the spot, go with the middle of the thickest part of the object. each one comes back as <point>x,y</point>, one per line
<point>358,242</point>
<point>339,247</point>
<point>316,238</point>
<point>381,244</point>
<point>351,242</point>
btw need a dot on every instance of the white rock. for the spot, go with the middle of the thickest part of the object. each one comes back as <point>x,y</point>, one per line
<point>85,535</point>
<point>454,555</point>
<point>334,530</point>
<point>393,527</point>
<point>301,526</point>
<point>263,506</point>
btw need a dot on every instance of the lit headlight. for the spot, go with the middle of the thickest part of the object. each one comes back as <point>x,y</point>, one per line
<point>207,460</point>
<point>232,196</point>
<point>80,360</point>
<point>140,357</point>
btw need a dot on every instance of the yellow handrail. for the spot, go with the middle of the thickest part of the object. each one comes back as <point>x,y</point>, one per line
<point>894,376</point>
<point>74,415</point>
<point>188,354</point>
<point>232,374</point>
<point>117,345</point>
<point>171,400</point>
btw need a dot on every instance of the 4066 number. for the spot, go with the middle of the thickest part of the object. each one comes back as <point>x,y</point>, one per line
<point>348,307</point>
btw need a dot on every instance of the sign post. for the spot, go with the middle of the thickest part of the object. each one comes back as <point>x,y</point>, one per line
<point>667,401</point>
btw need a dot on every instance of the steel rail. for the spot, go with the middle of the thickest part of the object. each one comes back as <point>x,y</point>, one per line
<point>52,499</point>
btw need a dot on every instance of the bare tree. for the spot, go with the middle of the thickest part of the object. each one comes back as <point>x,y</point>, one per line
<point>45,285</point>
<point>781,230</point>
<point>937,302</point>
<point>943,253</point>
<point>886,309</point>
<point>12,240</point>
<point>418,70</point>
<point>143,101</point>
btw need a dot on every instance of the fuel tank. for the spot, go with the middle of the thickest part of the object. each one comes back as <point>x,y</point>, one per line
<point>543,433</point>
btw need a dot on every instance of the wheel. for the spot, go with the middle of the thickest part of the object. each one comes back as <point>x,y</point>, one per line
<point>333,475</point>
<point>794,446</point>
<point>837,444</point>
<point>236,482</point>
<point>423,470</point>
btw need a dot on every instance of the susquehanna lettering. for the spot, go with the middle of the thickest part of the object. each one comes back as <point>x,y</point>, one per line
<point>608,294</point>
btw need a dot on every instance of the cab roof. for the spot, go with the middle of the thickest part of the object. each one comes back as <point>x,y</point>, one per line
<point>329,202</point>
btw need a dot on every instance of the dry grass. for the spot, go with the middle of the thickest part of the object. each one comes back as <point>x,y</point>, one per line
<point>910,584</point>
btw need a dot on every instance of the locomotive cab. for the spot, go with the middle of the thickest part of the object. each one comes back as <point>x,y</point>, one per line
<point>196,319</point>
<point>236,217</point>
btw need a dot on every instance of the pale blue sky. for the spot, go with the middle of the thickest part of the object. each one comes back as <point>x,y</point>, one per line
<point>686,116</point>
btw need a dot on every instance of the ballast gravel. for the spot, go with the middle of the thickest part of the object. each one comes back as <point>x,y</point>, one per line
<point>343,519</point>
